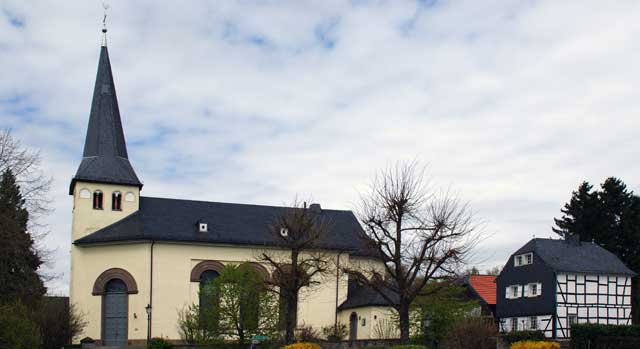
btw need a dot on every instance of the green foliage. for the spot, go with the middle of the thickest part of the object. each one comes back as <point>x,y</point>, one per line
<point>17,331</point>
<point>446,304</point>
<point>409,346</point>
<point>519,336</point>
<point>336,332</point>
<point>193,330</point>
<point>236,305</point>
<point>160,343</point>
<point>582,334</point>
<point>19,260</point>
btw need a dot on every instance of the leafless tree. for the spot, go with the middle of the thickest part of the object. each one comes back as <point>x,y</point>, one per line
<point>419,234</point>
<point>26,165</point>
<point>299,260</point>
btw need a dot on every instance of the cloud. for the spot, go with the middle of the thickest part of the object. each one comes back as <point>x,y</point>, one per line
<point>510,104</point>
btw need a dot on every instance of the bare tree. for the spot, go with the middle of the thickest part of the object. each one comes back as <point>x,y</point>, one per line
<point>299,260</point>
<point>26,165</point>
<point>419,234</point>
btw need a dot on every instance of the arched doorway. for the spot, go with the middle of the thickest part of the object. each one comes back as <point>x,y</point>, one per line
<point>353,326</point>
<point>115,309</point>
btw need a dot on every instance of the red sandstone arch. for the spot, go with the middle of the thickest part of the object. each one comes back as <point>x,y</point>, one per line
<point>114,273</point>
<point>259,269</point>
<point>204,266</point>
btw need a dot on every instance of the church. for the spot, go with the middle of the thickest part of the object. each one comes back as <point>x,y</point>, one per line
<point>136,261</point>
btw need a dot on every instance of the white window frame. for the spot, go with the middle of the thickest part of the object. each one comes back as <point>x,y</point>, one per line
<point>529,287</point>
<point>533,323</point>
<point>523,259</point>
<point>514,324</point>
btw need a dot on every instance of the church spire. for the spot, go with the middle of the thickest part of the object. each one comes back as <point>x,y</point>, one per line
<point>105,158</point>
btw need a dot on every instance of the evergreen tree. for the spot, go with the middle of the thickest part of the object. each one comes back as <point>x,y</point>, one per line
<point>611,218</point>
<point>19,260</point>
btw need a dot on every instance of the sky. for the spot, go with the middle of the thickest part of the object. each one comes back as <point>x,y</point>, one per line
<point>511,104</point>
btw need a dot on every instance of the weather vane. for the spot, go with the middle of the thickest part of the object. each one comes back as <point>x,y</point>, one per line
<point>105,6</point>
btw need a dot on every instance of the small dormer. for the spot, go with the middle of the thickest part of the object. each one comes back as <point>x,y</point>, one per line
<point>523,259</point>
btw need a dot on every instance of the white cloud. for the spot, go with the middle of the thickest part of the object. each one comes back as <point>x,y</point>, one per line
<point>513,104</point>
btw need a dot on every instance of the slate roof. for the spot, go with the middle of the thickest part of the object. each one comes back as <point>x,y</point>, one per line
<point>176,220</point>
<point>485,287</point>
<point>364,296</point>
<point>579,257</point>
<point>105,158</point>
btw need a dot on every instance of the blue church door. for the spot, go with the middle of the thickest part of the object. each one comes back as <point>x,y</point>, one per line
<point>115,313</point>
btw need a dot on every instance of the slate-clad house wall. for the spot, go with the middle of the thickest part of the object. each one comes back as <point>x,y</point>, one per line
<point>575,282</point>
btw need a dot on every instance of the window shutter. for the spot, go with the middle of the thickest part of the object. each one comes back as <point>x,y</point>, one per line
<point>525,291</point>
<point>539,289</point>
<point>520,291</point>
<point>508,294</point>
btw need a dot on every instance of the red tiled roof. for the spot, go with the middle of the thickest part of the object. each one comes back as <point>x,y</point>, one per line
<point>485,286</point>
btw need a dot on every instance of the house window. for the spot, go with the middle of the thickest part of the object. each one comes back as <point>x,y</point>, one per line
<point>514,324</point>
<point>533,323</point>
<point>514,291</point>
<point>572,319</point>
<point>523,259</point>
<point>97,200</point>
<point>116,201</point>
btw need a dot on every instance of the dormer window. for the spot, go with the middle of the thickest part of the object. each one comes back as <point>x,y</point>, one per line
<point>203,227</point>
<point>116,201</point>
<point>523,259</point>
<point>97,200</point>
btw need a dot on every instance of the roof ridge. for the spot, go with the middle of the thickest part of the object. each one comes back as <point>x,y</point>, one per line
<point>232,203</point>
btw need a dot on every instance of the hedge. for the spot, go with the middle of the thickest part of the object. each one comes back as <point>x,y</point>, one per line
<point>582,334</point>
<point>519,336</point>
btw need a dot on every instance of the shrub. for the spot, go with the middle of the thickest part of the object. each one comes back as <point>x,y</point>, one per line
<point>307,334</point>
<point>160,343</point>
<point>520,336</point>
<point>335,333</point>
<point>474,333</point>
<point>302,345</point>
<point>409,346</point>
<point>535,345</point>
<point>17,331</point>
<point>582,334</point>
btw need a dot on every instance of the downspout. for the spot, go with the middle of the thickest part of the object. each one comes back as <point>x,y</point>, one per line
<point>151,288</point>
<point>335,320</point>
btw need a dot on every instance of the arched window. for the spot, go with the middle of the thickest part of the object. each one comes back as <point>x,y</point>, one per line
<point>208,298</point>
<point>116,201</point>
<point>97,200</point>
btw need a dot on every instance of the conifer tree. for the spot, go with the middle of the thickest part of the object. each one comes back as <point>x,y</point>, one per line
<point>19,260</point>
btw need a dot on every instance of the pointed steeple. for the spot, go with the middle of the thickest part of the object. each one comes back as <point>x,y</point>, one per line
<point>105,158</point>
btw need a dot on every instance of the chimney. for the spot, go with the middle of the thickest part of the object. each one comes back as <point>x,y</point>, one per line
<point>315,208</point>
<point>573,239</point>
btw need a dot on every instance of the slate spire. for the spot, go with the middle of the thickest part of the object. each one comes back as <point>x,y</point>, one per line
<point>105,158</point>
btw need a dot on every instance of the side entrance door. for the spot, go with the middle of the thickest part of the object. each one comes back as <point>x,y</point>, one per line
<point>353,326</point>
<point>114,313</point>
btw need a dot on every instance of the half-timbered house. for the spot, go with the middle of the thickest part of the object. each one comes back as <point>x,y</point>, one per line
<point>549,285</point>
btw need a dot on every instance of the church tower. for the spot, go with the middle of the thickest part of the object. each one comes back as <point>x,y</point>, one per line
<point>105,188</point>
